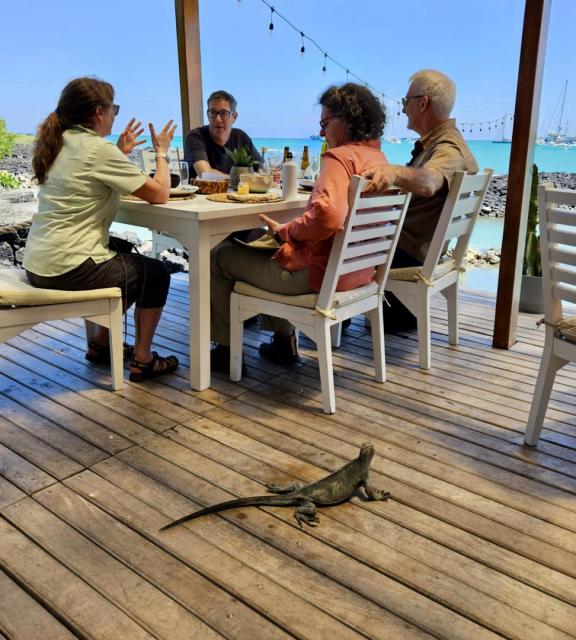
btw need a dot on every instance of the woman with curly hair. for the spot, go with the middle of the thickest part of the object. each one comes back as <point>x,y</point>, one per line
<point>81,177</point>
<point>352,121</point>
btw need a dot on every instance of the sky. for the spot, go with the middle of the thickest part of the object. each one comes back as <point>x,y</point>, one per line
<point>132,44</point>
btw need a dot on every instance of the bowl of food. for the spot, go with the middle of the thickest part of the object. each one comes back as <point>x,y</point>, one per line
<point>306,183</point>
<point>257,182</point>
<point>208,187</point>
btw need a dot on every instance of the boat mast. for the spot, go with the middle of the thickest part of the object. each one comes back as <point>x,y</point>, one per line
<point>562,108</point>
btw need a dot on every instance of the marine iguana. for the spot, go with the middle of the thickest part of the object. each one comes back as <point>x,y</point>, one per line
<point>333,489</point>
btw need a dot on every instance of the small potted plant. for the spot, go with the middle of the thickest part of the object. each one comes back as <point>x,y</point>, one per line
<point>242,163</point>
<point>531,290</point>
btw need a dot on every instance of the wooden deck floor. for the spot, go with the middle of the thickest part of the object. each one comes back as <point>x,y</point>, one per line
<point>478,542</point>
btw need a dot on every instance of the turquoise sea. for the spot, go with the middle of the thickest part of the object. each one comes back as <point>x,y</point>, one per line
<point>488,232</point>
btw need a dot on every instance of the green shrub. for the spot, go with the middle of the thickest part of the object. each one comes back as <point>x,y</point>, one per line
<point>532,265</point>
<point>6,140</point>
<point>8,180</point>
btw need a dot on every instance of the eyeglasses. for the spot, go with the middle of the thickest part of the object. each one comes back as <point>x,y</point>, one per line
<point>223,113</point>
<point>116,109</point>
<point>324,123</point>
<point>405,100</point>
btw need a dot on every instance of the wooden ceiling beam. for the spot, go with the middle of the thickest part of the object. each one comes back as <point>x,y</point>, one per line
<point>189,63</point>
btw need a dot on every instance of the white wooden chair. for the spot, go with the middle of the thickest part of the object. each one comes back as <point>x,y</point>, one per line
<point>368,240</point>
<point>557,245</point>
<point>22,306</point>
<point>414,286</point>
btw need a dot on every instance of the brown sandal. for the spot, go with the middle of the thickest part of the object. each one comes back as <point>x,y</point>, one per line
<point>158,366</point>
<point>101,353</point>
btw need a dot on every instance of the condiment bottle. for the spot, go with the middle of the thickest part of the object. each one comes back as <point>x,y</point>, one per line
<point>305,162</point>
<point>289,178</point>
<point>323,150</point>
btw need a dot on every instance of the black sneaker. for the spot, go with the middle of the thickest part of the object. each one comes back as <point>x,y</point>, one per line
<point>280,350</point>
<point>220,360</point>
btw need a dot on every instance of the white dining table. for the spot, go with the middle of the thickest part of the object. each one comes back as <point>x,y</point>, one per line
<point>199,225</point>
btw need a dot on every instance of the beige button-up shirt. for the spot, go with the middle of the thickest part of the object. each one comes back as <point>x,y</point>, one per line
<point>443,149</point>
<point>78,202</point>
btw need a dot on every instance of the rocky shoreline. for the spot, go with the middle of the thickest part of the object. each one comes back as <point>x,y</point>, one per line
<point>17,206</point>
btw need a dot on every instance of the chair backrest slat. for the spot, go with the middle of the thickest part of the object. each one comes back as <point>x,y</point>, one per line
<point>567,276</point>
<point>376,245</point>
<point>457,219</point>
<point>350,266</point>
<point>561,216</point>
<point>562,292</point>
<point>368,239</point>
<point>562,256</point>
<point>557,243</point>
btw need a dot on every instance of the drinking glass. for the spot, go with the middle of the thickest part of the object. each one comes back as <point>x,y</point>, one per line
<point>178,174</point>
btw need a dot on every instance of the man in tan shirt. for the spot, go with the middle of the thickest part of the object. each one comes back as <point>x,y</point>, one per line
<point>437,155</point>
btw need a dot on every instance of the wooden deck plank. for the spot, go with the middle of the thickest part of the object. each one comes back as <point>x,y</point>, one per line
<point>336,532</point>
<point>47,409</point>
<point>456,566</point>
<point>36,378</point>
<point>223,611</point>
<point>57,588</point>
<point>21,617</point>
<point>479,540</point>
<point>36,451</point>
<point>53,434</point>
<point>144,603</point>
<point>247,583</point>
<point>9,493</point>
<point>200,596</point>
<point>25,475</point>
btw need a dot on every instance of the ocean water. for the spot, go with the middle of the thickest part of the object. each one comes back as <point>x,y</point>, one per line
<point>488,232</point>
<point>487,153</point>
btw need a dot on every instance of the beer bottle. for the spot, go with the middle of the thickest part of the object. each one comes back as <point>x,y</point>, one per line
<point>286,152</point>
<point>323,151</point>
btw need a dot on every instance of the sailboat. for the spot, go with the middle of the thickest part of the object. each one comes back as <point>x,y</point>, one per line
<point>559,136</point>
<point>503,138</point>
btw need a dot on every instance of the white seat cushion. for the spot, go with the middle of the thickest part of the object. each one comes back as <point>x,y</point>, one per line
<point>309,300</point>
<point>411,273</point>
<point>15,290</point>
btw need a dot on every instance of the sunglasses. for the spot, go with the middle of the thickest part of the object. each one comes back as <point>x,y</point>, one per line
<point>116,109</point>
<point>324,123</point>
<point>405,100</point>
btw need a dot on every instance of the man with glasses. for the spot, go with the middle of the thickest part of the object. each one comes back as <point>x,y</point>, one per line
<point>437,155</point>
<point>204,146</point>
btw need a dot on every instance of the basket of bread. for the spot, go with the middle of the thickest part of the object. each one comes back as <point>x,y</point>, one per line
<point>209,187</point>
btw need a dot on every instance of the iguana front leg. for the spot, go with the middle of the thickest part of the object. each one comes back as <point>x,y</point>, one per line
<point>285,488</point>
<point>375,494</point>
<point>306,513</point>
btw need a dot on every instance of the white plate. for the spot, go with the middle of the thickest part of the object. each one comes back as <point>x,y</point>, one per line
<point>306,183</point>
<point>189,188</point>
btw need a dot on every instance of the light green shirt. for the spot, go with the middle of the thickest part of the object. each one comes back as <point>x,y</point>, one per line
<point>77,204</point>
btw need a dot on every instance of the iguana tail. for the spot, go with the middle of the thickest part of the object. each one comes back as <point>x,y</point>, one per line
<point>270,501</point>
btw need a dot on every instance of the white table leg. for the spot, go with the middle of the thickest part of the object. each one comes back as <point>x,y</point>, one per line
<point>199,301</point>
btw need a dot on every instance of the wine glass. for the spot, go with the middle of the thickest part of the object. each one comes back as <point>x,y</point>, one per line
<point>274,160</point>
<point>178,174</point>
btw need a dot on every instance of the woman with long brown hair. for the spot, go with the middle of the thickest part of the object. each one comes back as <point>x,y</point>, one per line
<point>81,177</point>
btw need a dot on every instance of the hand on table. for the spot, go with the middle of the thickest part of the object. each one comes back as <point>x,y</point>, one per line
<point>127,139</point>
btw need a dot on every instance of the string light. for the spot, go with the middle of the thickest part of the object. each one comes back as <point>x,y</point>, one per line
<point>490,124</point>
<point>397,103</point>
<point>303,36</point>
